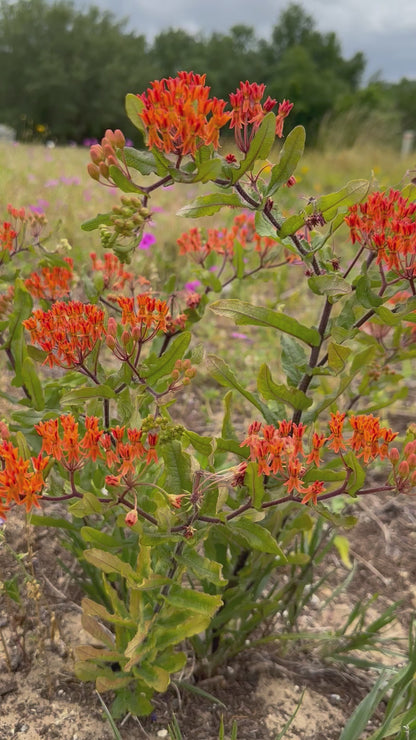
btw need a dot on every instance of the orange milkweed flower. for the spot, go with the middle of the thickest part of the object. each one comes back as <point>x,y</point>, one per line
<point>150,316</point>
<point>21,481</point>
<point>68,332</point>
<point>52,282</point>
<point>386,224</point>
<point>313,492</point>
<point>179,116</point>
<point>248,112</point>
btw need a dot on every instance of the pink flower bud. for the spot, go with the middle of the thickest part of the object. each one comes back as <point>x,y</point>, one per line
<point>125,337</point>
<point>131,518</point>
<point>104,171</point>
<point>96,153</point>
<point>404,469</point>
<point>394,455</point>
<point>119,139</point>
<point>110,341</point>
<point>112,326</point>
<point>93,171</point>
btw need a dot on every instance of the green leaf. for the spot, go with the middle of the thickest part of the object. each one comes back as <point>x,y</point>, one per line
<point>254,483</point>
<point>206,205</point>
<point>208,170</point>
<point>202,567</point>
<point>328,205</point>
<point>88,504</point>
<point>142,161</point>
<point>224,375</point>
<point>365,295</point>
<point>329,285</point>
<point>343,546</point>
<point>32,382</point>
<point>260,147</point>
<point>158,367</point>
<point>109,563</point>
<point>177,475</point>
<point>357,476</point>
<point>123,182</point>
<point>193,601</point>
<point>94,628</point>
<point>245,313</point>
<point>134,107</point>
<point>293,359</point>
<point>83,394</point>
<point>94,223</point>
<point>153,676</point>
<point>96,537</point>
<point>337,356</point>
<point>203,445</point>
<point>289,157</point>
<point>272,391</point>
<point>257,537</point>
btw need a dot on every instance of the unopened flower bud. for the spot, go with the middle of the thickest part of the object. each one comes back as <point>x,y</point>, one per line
<point>410,448</point>
<point>136,333</point>
<point>125,337</point>
<point>403,469</point>
<point>394,455</point>
<point>93,171</point>
<point>119,139</point>
<point>96,153</point>
<point>131,518</point>
<point>110,341</point>
<point>112,326</point>
<point>104,171</point>
<point>411,461</point>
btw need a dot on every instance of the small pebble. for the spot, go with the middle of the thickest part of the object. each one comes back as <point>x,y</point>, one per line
<point>162,733</point>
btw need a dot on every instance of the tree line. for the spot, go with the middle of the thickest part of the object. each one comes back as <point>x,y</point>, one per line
<point>65,72</point>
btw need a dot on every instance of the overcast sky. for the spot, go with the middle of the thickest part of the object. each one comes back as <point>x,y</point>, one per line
<point>385,30</point>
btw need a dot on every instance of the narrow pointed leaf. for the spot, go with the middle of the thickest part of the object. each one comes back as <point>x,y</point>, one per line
<point>193,601</point>
<point>289,157</point>
<point>257,537</point>
<point>140,160</point>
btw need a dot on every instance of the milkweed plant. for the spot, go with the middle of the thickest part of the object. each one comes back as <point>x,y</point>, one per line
<point>182,536</point>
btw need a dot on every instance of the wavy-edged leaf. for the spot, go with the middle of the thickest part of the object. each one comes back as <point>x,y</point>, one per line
<point>245,313</point>
<point>123,182</point>
<point>83,394</point>
<point>203,568</point>
<point>193,601</point>
<point>272,391</point>
<point>257,537</point>
<point>140,160</point>
<point>224,375</point>
<point>207,205</point>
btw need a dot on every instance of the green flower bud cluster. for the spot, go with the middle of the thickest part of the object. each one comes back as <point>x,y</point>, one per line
<point>129,217</point>
<point>167,430</point>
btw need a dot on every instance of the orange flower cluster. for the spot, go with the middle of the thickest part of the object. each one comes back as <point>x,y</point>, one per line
<point>21,481</point>
<point>279,450</point>
<point>248,112</point>
<point>222,241</point>
<point>68,332</point>
<point>119,448</point>
<point>114,275</point>
<point>369,440</point>
<point>149,316</point>
<point>386,223</point>
<point>52,282</point>
<point>179,116</point>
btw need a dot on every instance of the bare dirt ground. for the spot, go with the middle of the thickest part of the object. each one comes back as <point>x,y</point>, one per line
<point>40,698</point>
